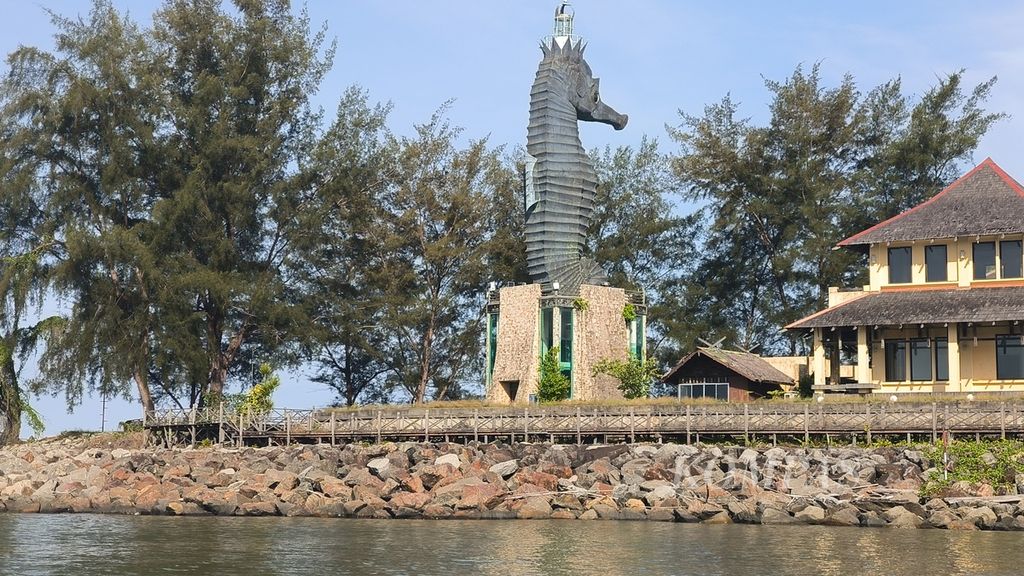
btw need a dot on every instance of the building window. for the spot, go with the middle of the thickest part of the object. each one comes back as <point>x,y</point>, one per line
<point>942,359</point>
<point>636,346</point>
<point>565,347</point>
<point>1010,259</point>
<point>1009,357</point>
<point>546,330</point>
<point>899,265</point>
<point>935,263</point>
<point>716,390</point>
<point>920,360</point>
<point>984,260</point>
<point>895,361</point>
<point>492,343</point>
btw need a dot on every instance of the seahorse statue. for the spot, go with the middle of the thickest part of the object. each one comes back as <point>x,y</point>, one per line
<point>561,184</point>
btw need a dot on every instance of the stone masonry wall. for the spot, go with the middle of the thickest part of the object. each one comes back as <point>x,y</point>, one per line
<point>600,334</point>
<point>517,357</point>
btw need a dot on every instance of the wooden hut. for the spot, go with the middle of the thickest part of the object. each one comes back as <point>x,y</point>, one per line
<point>725,375</point>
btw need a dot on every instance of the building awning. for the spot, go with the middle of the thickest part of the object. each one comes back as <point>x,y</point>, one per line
<point>888,308</point>
<point>750,366</point>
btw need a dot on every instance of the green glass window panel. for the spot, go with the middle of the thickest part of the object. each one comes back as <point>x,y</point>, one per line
<point>546,329</point>
<point>565,346</point>
<point>492,342</point>
<point>638,342</point>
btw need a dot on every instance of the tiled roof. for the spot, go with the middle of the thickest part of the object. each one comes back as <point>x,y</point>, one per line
<point>750,366</point>
<point>986,200</point>
<point>922,307</point>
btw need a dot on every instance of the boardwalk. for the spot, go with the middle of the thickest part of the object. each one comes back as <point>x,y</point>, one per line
<point>572,424</point>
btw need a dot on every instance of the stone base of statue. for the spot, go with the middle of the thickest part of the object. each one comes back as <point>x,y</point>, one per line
<point>597,324</point>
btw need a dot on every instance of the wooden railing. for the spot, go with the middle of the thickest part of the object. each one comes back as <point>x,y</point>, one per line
<point>579,422</point>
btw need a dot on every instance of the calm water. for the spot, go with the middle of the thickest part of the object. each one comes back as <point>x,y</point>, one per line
<point>83,545</point>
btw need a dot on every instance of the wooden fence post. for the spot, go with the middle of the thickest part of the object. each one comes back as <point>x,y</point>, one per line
<point>378,427</point>
<point>935,422</point>
<point>240,442</point>
<point>746,424</point>
<point>526,424</point>
<point>220,424</point>
<point>687,423</point>
<point>807,417</point>
<point>287,427</point>
<point>333,421</point>
<point>1002,420</point>
<point>192,425</point>
<point>632,426</point>
<point>476,424</point>
<point>426,425</point>
<point>579,435</point>
<point>867,421</point>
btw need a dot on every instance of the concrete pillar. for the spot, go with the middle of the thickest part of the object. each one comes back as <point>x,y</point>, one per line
<point>863,356</point>
<point>818,364</point>
<point>955,383</point>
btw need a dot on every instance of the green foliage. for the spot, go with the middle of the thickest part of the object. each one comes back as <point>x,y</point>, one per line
<point>259,399</point>
<point>581,304</point>
<point>776,394</point>
<point>129,426</point>
<point>32,417</point>
<point>634,375</point>
<point>553,385</point>
<point>830,161</point>
<point>206,443</point>
<point>629,312</point>
<point>639,235</point>
<point>968,464</point>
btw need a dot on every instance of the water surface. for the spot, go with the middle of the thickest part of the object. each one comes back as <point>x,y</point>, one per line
<point>122,545</point>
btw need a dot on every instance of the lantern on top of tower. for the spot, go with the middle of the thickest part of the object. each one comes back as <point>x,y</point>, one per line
<point>563,25</point>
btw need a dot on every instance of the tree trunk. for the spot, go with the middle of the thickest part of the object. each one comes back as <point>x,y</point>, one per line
<point>145,396</point>
<point>428,346</point>
<point>10,402</point>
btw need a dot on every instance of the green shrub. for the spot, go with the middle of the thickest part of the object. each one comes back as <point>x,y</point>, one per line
<point>581,304</point>
<point>634,375</point>
<point>553,385</point>
<point>629,312</point>
<point>967,459</point>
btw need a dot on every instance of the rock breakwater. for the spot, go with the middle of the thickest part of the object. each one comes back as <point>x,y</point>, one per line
<point>709,484</point>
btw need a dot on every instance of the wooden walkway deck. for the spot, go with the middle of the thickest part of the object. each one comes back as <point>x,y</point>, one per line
<point>680,423</point>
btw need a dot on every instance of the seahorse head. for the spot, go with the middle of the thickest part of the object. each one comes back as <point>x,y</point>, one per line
<point>583,90</point>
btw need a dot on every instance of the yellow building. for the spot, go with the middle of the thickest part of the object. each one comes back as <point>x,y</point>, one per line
<point>944,306</point>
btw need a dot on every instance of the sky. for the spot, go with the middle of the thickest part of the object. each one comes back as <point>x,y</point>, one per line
<point>655,58</point>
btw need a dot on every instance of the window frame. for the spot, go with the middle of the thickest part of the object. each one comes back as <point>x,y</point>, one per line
<point>979,273</point>
<point>915,349</point>
<point>1018,260</point>
<point>890,366</point>
<point>928,268</point>
<point>1004,341</point>
<point>909,269</point>
<point>942,367</point>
